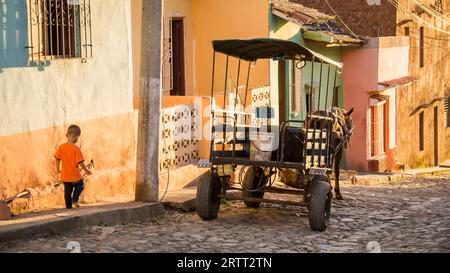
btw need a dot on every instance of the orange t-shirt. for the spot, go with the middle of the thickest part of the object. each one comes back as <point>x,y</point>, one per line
<point>70,156</point>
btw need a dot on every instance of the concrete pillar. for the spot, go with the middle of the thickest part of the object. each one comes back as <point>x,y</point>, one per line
<point>149,103</point>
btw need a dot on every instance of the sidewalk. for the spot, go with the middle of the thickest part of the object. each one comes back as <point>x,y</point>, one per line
<point>57,221</point>
<point>375,178</point>
<point>180,195</point>
<point>445,164</point>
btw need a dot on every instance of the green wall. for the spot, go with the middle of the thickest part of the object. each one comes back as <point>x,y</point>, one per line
<point>282,29</point>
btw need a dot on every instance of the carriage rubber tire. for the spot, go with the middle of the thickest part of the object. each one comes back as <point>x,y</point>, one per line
<point>320,205</point>
<point>251,181</point>
<point>208,204</point>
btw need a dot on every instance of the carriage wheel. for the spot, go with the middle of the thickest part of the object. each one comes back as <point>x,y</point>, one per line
<point>208,202</point>
<point>320,204</point>
<point>254,178</point>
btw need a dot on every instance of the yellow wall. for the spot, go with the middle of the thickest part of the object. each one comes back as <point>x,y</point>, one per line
<point>227,19</point>
<point>433,81</point>
<point>172,8</point>
<point>207,20</point>
<point>183,9</point>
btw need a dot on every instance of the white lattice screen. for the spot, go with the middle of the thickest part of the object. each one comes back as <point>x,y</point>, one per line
<point>179,138</point>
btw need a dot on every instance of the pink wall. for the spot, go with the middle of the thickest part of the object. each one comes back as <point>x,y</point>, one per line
<point>360,74</point>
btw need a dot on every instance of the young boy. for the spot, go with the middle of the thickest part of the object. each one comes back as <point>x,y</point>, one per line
<point>69,157</point>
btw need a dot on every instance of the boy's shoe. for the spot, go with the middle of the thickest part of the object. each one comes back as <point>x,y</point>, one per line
<point>76,205</point>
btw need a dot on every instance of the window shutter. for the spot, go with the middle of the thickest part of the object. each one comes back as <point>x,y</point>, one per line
<point>167,63</point>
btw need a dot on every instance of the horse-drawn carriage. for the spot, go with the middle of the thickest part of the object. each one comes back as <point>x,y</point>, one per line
<point>253,153</point>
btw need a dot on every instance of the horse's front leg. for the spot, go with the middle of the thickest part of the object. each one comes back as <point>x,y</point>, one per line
<point>337,189</point>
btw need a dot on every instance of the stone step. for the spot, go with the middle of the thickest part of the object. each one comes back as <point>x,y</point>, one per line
<point>184,199</point>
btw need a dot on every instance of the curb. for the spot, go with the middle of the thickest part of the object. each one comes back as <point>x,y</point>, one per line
<point>368,179</point>
<point>116,216</point>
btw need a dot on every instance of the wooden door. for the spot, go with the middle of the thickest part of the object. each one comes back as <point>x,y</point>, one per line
<point>179,86</point>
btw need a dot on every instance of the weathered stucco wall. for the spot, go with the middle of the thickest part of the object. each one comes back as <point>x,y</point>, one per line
<point>433,81</point>
<point>68,90</point>
<point>37,105</point>
<point>136,22</point>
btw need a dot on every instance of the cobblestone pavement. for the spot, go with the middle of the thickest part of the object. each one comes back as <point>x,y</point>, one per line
<point>408,216</point>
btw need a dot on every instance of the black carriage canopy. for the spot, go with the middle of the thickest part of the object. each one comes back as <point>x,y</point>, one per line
<point>267,48</point>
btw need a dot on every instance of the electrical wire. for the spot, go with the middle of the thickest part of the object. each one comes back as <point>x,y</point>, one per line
<point>426,9</point>
<point>417,18</point>
<point>433,12</point>
<point>426,42</point>
<point>261,184</point>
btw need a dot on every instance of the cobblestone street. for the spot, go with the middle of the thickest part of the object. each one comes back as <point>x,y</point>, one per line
<point>408,216</point>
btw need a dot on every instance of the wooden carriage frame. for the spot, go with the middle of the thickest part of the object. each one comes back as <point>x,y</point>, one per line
<point>313,159</point>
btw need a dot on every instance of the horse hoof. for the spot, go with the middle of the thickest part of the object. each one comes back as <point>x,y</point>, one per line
<point>339,196</point>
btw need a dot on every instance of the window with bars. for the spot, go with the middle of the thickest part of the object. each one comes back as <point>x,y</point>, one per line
<point>438,6</point>
<point>59,29</point>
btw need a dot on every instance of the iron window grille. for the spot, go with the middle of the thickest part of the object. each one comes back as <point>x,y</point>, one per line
<point>447,112</point>
<point>59,29</point>
<point>438,6</point>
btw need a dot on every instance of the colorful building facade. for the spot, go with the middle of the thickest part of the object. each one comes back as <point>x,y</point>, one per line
<point>396,82</point>
<point>76,70</point>
<point>52,76</point>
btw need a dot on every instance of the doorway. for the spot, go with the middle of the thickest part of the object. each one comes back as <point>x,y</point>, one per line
<point>436,137</point>
<point>179,87</point>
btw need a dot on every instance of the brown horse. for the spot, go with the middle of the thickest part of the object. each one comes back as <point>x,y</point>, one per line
<point>340,138</point>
